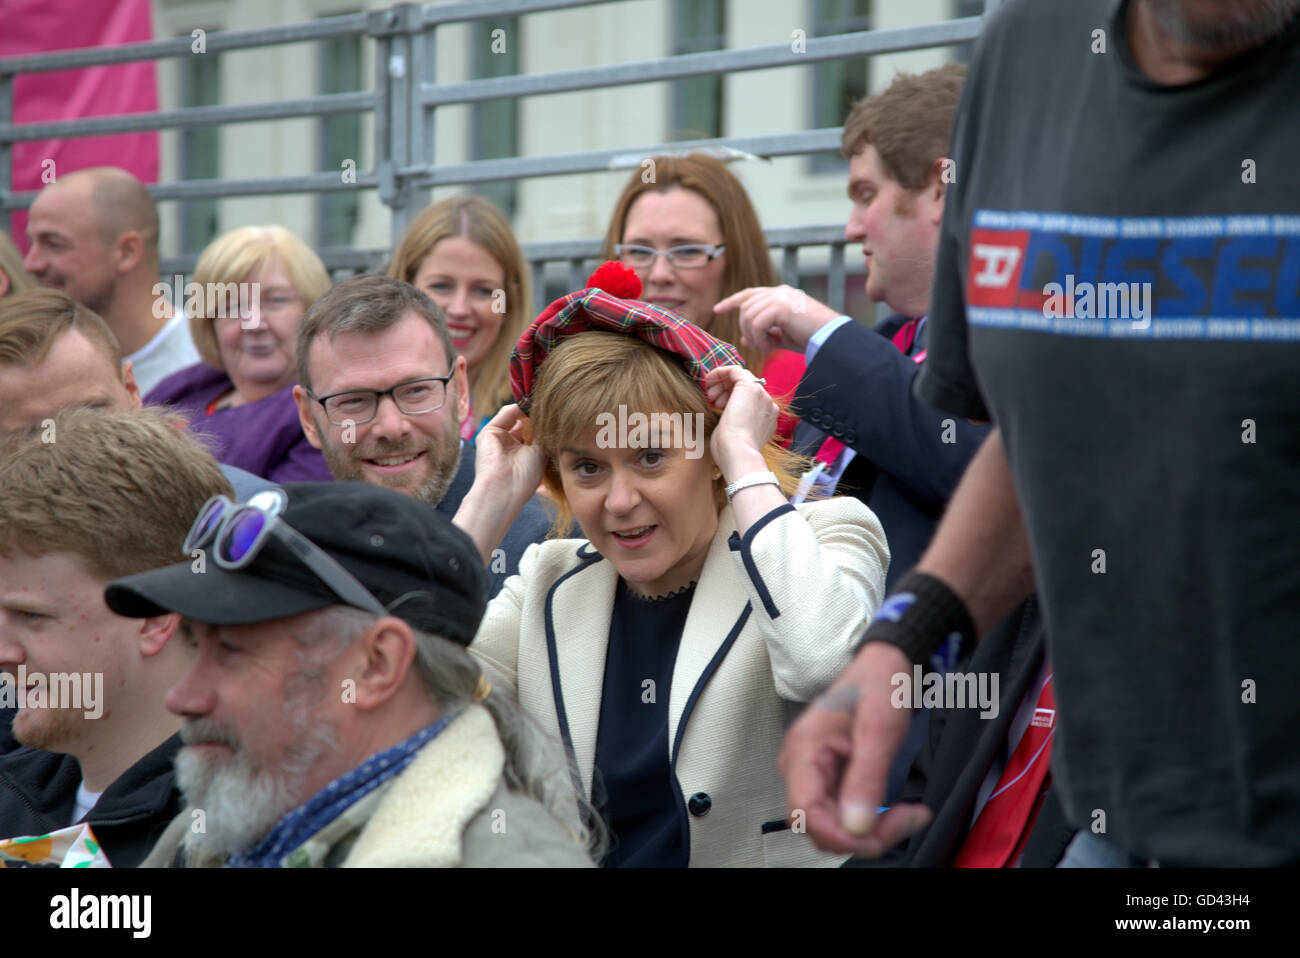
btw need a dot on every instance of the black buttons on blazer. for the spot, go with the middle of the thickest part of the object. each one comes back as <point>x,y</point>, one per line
<point>699,804</point>
<point>850,437</point>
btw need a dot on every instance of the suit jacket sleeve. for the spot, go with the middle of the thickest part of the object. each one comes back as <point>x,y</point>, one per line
<point>815,576</point>
<point>496,645</point>
<point>859,390</point>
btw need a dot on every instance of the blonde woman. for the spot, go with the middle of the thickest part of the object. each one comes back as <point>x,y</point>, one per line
<point>463,255</point>
<point>253,286</point>
<point>670,648</point>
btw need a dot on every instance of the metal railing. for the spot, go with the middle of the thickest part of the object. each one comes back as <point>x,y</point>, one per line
<point>403,102</point>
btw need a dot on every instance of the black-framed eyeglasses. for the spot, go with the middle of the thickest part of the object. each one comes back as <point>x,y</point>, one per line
<point>238,531</point>
<point>683,257</point>
<point>358,406</point>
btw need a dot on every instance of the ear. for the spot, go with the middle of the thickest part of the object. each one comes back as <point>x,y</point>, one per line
<point>381,662</point>
<point>462,391</point>
<point>305,414</point>
<point>4,283</point>
<point>132,388</point>
<point>936,187</point>
<point>155,631</point>
<point>130,251</point>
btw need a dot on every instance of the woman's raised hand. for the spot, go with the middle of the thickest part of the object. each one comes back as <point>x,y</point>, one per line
<point>512,467</point>
<point>506,473</point>
<point>748,421</point>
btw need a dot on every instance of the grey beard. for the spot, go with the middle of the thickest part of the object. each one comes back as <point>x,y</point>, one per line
<point>1250,24</point>
<point>346,467</point>
<point>241,804</point>
<point>435,490</point>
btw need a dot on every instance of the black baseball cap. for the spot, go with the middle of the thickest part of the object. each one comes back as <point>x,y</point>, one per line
<point>408,555</point>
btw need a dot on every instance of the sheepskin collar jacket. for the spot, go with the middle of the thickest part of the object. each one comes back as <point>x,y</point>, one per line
<point>449,808</point>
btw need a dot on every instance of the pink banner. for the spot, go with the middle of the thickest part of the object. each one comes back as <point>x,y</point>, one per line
<point>36,26</point>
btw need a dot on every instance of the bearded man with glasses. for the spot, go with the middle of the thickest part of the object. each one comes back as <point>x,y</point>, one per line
<point>383,394</point>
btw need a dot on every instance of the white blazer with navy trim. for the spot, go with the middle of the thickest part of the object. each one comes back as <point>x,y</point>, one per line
<point>772,623</point>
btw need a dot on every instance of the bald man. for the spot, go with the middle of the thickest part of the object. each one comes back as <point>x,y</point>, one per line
<point>94,235</point>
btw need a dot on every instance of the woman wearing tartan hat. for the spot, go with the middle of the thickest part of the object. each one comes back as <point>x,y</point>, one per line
<point>669,648</point>
<point>691,233</point>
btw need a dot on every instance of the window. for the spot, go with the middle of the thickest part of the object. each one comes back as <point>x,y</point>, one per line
<point>338,140</point>
<point>698,25</point>
<point>494,124</point>
<point>837,84</point>
<point>200,149</point>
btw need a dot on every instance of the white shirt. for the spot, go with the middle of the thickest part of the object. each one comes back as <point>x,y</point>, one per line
<point>171,350</point>
<point>1015,732</point>
<point>830,477</point>
<point>85,802</point>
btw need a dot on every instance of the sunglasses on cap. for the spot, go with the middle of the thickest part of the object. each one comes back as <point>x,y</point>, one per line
<point>238,531</point>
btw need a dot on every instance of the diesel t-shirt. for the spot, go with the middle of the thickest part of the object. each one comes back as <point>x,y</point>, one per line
<point>1118,288</point>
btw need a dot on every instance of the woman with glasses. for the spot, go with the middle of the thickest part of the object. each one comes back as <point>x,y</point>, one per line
<point>691,233</point>
<point>247,296</point>
<point>670,646</point>
<point>463,255</point>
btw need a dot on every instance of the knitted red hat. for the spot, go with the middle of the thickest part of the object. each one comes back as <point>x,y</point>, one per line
<point>609,302</point>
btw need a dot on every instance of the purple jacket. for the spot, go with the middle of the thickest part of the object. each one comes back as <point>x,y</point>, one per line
<point>263,437</point>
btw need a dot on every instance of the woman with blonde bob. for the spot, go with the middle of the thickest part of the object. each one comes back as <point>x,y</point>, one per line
<point>248,294</point>
<point>670,648</point>
<point>463,255</point>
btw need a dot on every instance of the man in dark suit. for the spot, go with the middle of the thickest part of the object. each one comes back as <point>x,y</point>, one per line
<point>382,394</point>
<point>900,456</point>
<point>870,437</point>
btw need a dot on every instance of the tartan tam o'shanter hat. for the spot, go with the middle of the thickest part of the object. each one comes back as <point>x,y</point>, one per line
<point>610,303</point>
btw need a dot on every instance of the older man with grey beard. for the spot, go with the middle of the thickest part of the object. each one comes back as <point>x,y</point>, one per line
<point>382,394</point>
<point>331,716</point>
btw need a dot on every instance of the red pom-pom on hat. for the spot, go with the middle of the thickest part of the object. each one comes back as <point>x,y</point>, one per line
<point>616,279</point>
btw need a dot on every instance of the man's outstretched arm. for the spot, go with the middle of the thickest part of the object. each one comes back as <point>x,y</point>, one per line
<point>837,756</point>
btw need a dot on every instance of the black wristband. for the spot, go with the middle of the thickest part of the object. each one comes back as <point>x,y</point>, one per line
<point>918,616</point>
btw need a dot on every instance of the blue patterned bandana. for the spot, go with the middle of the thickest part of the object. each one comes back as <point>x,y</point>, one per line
<point>333,800</point>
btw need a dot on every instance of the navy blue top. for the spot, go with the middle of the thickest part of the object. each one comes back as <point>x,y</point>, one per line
<point>640,801</point>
